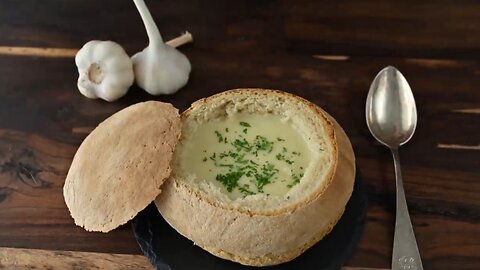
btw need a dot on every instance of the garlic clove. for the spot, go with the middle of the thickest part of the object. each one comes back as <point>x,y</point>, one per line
<point>109,89</point>
<point>85,87</point>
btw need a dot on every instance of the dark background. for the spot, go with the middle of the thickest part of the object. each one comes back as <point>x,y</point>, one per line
<point>325,51</point>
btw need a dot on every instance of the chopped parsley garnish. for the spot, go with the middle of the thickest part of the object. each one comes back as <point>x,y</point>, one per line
<point>230,180</point>
<point>282,157</point>
<point>245,190</point>
<point>264,175</point>
<point>219,136</point>
<point>225,165</point>
<point>261,143</point>
<point>296,180</point>
<point>242,145</point>
<point>244,159</point>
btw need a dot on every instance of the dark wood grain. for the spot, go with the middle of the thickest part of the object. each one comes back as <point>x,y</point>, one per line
<point>432,28</point>
<point>325,51</point>
<point>20,258</point>
<point>16,258</point>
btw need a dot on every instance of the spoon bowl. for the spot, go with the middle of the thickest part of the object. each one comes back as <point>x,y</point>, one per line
<point>390,111</point>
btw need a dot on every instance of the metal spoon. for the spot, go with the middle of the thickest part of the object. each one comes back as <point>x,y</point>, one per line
<point>391,118</point>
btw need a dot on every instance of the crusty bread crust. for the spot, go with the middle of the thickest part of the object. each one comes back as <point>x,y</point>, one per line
<point>261,238</point>
<point>119,168</point>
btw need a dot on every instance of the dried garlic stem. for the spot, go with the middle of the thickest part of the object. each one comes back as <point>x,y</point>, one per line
<point>181,40</point>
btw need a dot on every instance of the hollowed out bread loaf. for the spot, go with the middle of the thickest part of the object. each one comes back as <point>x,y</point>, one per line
<point>262,230</point>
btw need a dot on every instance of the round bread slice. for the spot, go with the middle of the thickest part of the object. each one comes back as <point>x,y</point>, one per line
<point>259,228</point>
<point>120,166</point>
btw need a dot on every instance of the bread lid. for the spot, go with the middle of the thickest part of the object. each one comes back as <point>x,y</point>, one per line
<point>119,168</point>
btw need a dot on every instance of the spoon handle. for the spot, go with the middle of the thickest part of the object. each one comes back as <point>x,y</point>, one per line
<point>405,249</point>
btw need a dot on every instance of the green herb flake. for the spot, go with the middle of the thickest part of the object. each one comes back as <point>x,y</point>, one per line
<point>225,165</point>
<point>245,130</point>
<point>245,124</point>
<point>282,157</point>
<point>261,143</point>
<point>226,130</point>
<point>242,161</point>
<point>265,175</point>
<point>262,180</point>
<point>229,180</point>
<point>242,145</point>
<point>245,190</point>
<point>204,159</point>
<point>219,136</point>
<point>296,180</point>
<point>280,139</point>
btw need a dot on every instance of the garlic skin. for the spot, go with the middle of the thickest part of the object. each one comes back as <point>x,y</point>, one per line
<point>105,70</point>
<point>159,68</point>
<point>161,71</point>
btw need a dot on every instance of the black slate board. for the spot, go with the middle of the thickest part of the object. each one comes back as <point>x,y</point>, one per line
<point>166,249</point>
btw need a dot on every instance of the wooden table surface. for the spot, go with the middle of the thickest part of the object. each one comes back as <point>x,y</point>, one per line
<point>325,51</point>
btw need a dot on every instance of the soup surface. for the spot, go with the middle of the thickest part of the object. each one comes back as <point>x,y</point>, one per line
<point>246,154</point>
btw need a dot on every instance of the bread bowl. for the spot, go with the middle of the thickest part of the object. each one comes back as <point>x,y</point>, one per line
<point>254,215</point>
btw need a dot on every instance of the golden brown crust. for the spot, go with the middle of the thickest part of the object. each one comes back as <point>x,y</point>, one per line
<point>268,260</point>
<point>119,168</point>
<point>261,239</point>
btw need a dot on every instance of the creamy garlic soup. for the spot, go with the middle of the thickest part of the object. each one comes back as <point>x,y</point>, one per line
<point>246,154</point>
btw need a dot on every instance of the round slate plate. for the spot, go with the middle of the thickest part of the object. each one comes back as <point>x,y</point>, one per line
<point>166,249</point>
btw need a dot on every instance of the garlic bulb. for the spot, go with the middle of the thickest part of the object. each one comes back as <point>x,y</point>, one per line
<point>159,68</point>
<point>105,70</point>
